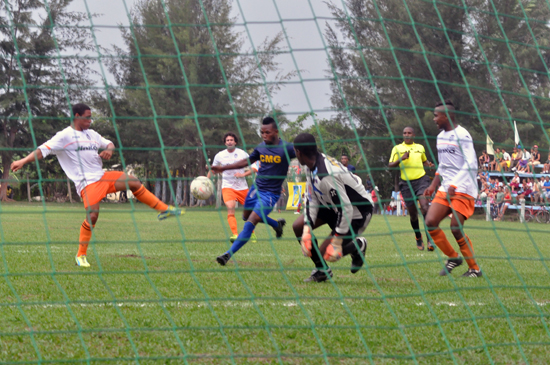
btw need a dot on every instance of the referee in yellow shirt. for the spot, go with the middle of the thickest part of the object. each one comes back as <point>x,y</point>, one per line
<point>411,159</point>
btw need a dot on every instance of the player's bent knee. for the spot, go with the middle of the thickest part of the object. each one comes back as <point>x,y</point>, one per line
<point>431,224</point>
<point>456,233</point>
<point>298,227</point>
<point>93,218</point>
<point>133,183</point>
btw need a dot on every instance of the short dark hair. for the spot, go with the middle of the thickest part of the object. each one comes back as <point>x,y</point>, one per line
<point>447,103</point>
<point>306,144</point>
<point>230,134</point>
<point>80,108</point>
<point>270,120</point>
<point>345,155</point>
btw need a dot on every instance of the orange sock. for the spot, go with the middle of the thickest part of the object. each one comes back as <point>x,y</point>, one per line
<point>146,197</point>
<point>232,223</point>
<point>441,241</point>
<point>85,236</point>
<point>467,250</point>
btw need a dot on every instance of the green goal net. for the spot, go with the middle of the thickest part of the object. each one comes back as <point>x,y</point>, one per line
<point>167,79</point>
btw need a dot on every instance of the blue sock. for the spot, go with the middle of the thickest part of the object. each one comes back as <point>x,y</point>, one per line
<point>243,238</point>
<point>272,222</point>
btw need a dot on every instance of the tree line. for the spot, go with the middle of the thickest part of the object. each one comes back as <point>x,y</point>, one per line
<point>184,78</point>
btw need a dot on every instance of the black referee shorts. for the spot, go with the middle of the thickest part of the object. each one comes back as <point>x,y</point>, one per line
<point>417,186</point>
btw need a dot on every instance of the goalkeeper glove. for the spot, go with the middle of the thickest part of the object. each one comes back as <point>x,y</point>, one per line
<point>333,252</point>
<point>306,241</point>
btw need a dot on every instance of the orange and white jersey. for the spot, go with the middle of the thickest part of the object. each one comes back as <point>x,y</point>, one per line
<point>457,161</point>
<point>77,152</point>
<point>229,180</point>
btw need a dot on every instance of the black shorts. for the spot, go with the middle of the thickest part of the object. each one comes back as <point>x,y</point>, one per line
<point>330,217</point>
<point>418,186</point>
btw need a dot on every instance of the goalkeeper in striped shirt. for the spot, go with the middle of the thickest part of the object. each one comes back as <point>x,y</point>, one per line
<point>336,197</point>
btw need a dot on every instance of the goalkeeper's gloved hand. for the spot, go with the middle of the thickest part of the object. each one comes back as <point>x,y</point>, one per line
<point>333,252</point>
<point>306,241</point>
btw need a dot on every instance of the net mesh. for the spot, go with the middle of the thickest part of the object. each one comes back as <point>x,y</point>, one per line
<point>166,80</point>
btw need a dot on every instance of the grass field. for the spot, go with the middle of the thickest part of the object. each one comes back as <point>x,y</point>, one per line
<point>155,295</point>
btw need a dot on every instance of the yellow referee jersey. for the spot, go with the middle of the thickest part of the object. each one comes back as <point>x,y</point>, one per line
<point>413,167</point>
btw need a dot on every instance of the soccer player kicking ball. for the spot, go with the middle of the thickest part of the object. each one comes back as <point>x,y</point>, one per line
<point>457,176</point>
<point>274,156</point>
<point>234,186</point>
<point>411,158</point>
<point>337,197</point>
<point>76,148</point>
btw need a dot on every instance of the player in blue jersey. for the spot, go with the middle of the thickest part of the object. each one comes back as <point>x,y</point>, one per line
<point>274,155</point>
<point>344,160</point>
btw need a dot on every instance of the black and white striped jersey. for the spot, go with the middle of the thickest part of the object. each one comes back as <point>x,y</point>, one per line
<point>330,185</point>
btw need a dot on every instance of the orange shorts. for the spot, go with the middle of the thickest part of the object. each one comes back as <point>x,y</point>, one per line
<point>95,192</point>
<point>232,195</point>
<point>462,203</point>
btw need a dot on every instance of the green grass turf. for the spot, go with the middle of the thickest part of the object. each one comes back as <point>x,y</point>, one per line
<point>155,295</point>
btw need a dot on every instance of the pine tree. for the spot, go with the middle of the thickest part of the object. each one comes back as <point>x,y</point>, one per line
<point>399,57</point>
<point>37,84</point>
<point>183,69</point>
<point>394,59</point>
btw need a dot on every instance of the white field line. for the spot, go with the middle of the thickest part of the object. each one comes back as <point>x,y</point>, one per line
<point>225,304</point>
<point>452,304</point>
<point>149,255</point>
<point>103,249</point>
<point>193,304</point>
<point>470,304</point>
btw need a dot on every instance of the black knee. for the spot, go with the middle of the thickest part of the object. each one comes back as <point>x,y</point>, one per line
<point>298,227</point>
<point>457,233</point>
<point>93,217</point>
<point>431,224</point>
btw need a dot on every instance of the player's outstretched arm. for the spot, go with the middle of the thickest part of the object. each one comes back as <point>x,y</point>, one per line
<point>237,165</point>
<point>34,156</point>
<point>244,174</point>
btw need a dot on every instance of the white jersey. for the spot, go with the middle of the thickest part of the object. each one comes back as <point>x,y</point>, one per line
<point>229,180</point>
<point>457,161</point>
<point>77,152</point>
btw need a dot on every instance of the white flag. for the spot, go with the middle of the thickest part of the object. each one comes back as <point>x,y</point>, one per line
<point>490,150</point>
<point>516,134</point>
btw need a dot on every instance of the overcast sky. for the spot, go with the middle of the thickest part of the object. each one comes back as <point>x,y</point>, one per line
<point>296,16</point>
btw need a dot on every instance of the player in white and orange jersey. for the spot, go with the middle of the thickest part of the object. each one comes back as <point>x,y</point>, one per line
<point>456,179</point>
<point>234,185</point>
<point>77,149</point>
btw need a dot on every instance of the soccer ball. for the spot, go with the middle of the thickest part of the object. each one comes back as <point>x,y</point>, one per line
<point>202,188</point>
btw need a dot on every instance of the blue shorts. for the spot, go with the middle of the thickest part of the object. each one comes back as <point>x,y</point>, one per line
<point>261,202</point>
